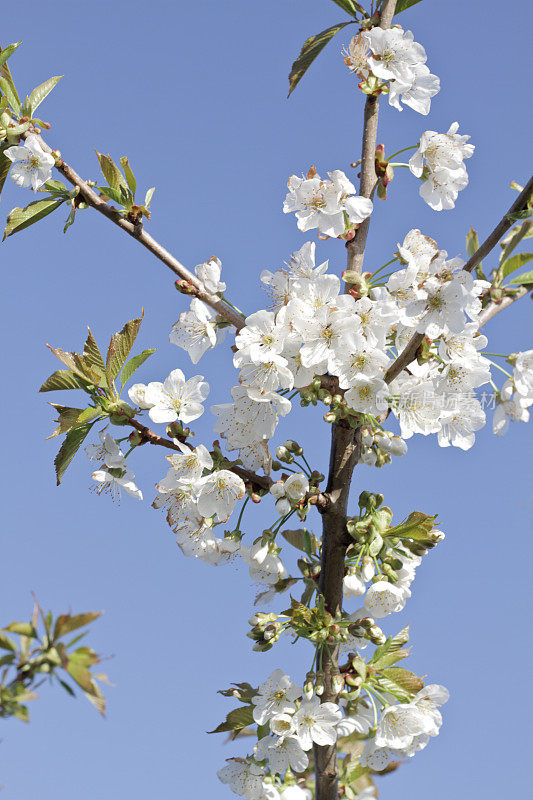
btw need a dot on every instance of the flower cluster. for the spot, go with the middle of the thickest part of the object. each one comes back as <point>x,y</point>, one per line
<point>294,724</point>
<point>326,204</point>
<point>391,60</point>
<point>439,162</point>
<point>516,394</point>
<point>114,474</point>
<point>405,728</point>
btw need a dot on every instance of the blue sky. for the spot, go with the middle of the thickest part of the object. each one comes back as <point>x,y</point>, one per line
<point>195,96</point>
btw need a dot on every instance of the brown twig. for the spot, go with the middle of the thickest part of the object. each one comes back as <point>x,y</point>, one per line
<point>138,233</point>
<point>263,481</point>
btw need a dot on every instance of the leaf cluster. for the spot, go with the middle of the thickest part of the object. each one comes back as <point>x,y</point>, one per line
<point>46,650</point>
<point>97,377</point>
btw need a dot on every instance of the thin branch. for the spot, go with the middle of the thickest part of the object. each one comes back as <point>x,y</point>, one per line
<point>408,354</point>
<point>138,233</point>
<point>367,185</point>
<point>493,308</point>
<point>263,481</point>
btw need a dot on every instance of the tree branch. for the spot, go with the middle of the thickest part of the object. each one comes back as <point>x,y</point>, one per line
<point>263,481</point>
<point>344,454</point>
<point>367,185</point>
<point>493,308</point>
<point>139,234</point>
<point>408,354</point>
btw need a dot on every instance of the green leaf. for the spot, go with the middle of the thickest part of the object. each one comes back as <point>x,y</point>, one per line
<point>392,645</point>
<point>22,713</point>
<point>7,660</point>
<point>236,720</point>
<point>62,379</point>
<point>110,171</point>
<point>311,48</point>
<point>75,363</point>
<point>356,773</point>
<point>133,364</point>
<point>67,688</point>
<point>20,218</point>
<point>416,526</point>
<point>41,92</point>
<point>71,219</point>
<point>70,418</point>
<point>148,197</point>
<point>404,679</point>
<point>302,539</point>
<point>7,644</point>
<point>351,7</point>
<point>55,186</point>
<point>8,51</point>
<point>402,5</point>
<point>73,441</point>
<point>22,628</point>
<point>113,194</point>
<point>5,165</point>
<point>6,74</point>
<point>388,659</point>
<point>120,347</point>
<point>514,263</point>
<point>93,356</point>
<point>66,623</point>
<point>525,279</point>
<point>8,90</point>
<point>130,177</point>
<point>472,242</point>
<point>524,231</point>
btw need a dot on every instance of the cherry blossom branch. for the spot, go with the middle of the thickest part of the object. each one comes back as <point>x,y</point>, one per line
<point>264,482</point>
<point>137,232</point>
<point>408,354</point>
<point>344,455</point>
<point>367,185</point>
<point>494,308</point>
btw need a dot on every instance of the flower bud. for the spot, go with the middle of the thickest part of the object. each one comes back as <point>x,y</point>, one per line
<point>319,684</point>
<point>376,635</point>
<point>136,439</point>
<point>309,687</point>
<point>330,416</point>
<point>337,682</point>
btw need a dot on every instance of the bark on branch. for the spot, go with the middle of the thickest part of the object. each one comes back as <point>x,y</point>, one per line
<point>344,455</point>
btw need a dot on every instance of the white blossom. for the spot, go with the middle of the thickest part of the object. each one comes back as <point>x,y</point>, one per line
<point>195,331</point>
<point>399,724</point>
<point>243,777</point>
<point>114,479</point>
<point>191,462</point>
<point>322,203</point>
<point>209,273</point>
<point>282,753</point>
<point>107,451</point>
<point>367,395</point>
<point>32,167</point>
<point>176,398</point>
<point>274,696</point>
<point>219,494</point>
<point>137,393</point>
<point>383,598</point>
<point>316,722</point>
<point>265,566</point>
